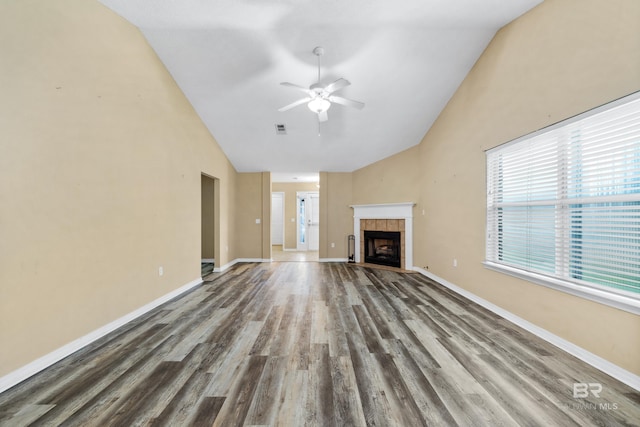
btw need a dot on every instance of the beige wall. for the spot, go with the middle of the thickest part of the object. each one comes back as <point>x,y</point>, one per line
<point>560,59</point>
<point>253,202</point>
<point>265,199</point>
<point>392,180</point>
<point>336,217</point>
<point>101,158</point>
<point>290,201</point>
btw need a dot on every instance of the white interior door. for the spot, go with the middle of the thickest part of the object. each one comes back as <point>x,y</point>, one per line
<point>277,219</point>
<point>308,212</point>
<point>313,221</point>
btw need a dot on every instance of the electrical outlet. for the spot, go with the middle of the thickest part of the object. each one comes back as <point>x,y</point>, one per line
<point>333,245</point>
<point>160,271</point>
<point>455,262</point>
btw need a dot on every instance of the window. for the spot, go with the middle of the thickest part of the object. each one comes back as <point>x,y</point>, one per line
<point>563,205</point>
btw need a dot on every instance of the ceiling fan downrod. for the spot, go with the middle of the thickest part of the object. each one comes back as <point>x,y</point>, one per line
<point>318,51</point>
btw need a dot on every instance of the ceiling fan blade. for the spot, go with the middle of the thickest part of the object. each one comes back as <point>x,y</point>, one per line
<point>323,116</point>
<point>295,104</point>
<point>347,102</point>
<point>300,88</point>
<point>337,85</point>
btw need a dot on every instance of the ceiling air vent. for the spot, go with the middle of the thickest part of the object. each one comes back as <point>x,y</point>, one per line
<point>281,129</point>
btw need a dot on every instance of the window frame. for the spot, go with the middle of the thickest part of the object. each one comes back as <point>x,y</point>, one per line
<point>624,300</point>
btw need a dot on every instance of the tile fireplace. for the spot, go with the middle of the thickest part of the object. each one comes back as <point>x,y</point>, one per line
<point>384,234</point>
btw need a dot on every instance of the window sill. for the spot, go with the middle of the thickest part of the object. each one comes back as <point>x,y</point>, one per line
<point>622,302</point>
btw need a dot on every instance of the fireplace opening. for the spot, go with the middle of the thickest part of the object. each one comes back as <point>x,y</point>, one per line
<point>382,247</point>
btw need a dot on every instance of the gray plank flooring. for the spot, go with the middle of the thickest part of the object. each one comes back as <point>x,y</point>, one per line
<point>330,344</point>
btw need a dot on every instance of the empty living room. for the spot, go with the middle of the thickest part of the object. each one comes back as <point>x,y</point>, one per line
<point>357,213</point>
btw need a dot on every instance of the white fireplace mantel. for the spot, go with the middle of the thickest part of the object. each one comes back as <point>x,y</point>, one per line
<point>387,211</point>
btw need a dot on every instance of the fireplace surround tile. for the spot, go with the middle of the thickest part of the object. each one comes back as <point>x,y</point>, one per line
<point>386,217</point>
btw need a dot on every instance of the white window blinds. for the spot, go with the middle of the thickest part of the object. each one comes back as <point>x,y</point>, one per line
<point>565,202</point>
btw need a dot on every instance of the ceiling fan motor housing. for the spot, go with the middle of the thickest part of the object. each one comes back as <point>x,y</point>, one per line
<point>317,88</point>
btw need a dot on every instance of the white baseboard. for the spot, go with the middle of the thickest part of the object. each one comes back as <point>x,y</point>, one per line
<point>21,374</point>
<point>621,374</point>
<point>225,267</point>
<point>230,264</point>
<point>209,260</point>
<point>333,259</point>
<point>253,260</point>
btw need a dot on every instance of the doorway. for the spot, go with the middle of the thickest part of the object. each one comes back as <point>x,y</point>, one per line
<point>209,223</point>
<point>308,221</point>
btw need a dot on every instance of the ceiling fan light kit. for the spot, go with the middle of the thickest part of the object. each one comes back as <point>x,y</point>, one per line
<point>319,97</point>
<point>319,105</point>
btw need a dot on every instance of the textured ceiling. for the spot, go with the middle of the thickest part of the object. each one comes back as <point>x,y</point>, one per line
<point>404,61</point>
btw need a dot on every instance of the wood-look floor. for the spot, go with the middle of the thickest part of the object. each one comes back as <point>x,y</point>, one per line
<point>295,344</point>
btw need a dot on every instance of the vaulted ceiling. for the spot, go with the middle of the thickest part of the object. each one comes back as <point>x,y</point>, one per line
<point>404,59</point>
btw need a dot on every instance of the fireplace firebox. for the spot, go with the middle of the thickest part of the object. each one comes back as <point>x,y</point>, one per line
<point>382,247</point>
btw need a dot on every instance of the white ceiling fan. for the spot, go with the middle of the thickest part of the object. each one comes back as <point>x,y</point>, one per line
<point>319,97</point>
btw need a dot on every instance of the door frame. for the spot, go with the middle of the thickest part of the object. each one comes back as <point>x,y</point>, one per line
<point>216,220</point>
<point>300,246</point>
<point>302,195</point>
<point>282,216</point>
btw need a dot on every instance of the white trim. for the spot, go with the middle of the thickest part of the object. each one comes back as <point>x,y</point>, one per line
<point>253,260</point>
<point>333,260</point>
<point>303,247</point>
<point>225,267</point>
<point>386,211</point>
<point>230,264</point>
<point>621,302</point>
<point>621,374</point>
<point>208,260</point>
<point>21,374</point>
